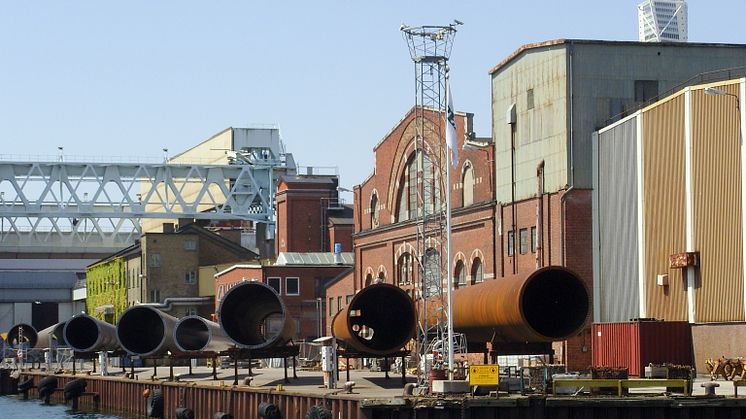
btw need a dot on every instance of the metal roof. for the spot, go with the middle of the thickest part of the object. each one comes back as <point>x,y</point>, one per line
<point>316,258</point>
<point>38,280</point>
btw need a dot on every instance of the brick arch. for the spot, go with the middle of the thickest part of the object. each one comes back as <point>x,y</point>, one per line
<point>402,249</point>
<point>370,276</point>
<point>476,254</point>
<point>382,274</point>
<point>404,150</point>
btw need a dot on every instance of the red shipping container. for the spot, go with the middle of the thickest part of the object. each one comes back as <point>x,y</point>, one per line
<point>636,344</point>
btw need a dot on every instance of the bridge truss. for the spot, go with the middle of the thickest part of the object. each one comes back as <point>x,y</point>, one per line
<point>97,207</point>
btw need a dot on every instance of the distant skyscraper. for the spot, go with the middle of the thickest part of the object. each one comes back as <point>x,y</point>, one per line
<point>662,21</point>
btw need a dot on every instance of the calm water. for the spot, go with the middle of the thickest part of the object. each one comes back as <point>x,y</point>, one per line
<point>12,407</point>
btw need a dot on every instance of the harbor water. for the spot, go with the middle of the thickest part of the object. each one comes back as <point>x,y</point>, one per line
<point>16,408</point>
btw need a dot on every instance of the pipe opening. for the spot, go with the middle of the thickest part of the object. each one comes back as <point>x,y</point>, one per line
<point>555,303</point>
<point>192,334</point>
<point>140,330</point>
<point>252,315</point>
<point>81,333</point>
<point>22,334</point>
<point>381,319</point>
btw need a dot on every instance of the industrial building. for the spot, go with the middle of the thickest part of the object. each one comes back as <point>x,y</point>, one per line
<point>669,216</point>
<point>547,100</point>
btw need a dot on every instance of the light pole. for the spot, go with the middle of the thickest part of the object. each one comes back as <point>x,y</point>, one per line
<point>719,92</point>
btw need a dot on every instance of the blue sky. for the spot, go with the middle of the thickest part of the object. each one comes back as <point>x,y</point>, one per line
<point>129,78</point>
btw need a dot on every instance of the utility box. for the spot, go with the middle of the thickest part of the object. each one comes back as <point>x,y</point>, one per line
<point>327,358</point>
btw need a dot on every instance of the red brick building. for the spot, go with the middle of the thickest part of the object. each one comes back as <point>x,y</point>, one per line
<point>310,215</point>
<point>549,228</point>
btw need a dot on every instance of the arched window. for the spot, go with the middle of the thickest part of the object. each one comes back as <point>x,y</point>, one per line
<point>476,271</point>
<point>408,207</point>
<point>459,275</point>
<point>374,211</point>
<point>467,192</point>
<point>432,272</point>
<point>381,277</point>
<point>404,270</point>
<point>368,279</point>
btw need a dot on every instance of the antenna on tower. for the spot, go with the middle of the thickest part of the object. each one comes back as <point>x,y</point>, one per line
<point>430,49</point>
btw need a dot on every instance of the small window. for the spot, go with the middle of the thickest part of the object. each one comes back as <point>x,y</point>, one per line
<point>155,296</point>
<point>476,271</point>
<point>511,243</point>
<point>374,211</point>
<point>274,283</point>
<point>331,306</point>
<point>534,239</point>
<point>523,240</point>
<point>405,269</point>
<point>339,303</point>
<point>191,311</point>
<point>291,286</point>
<point>190,244</point>
<point>190,277</point>
<point>154,260</point>
<point>349,298</point>
<point>530,99</point>
<point>460,274</point>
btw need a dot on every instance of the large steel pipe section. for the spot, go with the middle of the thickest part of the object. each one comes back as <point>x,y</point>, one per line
<point>379,320</point>
<point>146,331</point>
<point>22,333</point>
<point>52,336</point>
<point>254,316</point>
<point>194,333</point>
<point>84,333</point>
<point>550,304</point>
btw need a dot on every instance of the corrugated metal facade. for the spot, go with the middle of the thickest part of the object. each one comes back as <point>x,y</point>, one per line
<point>716,162</point>
<point>617,200</point>
<point>664,207</point>
<point>634,345</point>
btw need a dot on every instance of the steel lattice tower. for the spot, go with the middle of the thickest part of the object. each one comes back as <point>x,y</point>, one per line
<point>430,48</point>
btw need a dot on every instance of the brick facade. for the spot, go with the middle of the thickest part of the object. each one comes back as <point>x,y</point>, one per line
<point>306,209</point>
<point>480,229</point>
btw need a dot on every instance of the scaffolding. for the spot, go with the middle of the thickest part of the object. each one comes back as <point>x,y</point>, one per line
<point>430,48</point>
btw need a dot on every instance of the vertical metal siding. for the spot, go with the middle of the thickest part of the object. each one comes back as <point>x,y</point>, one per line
<point>665,342</point>
<point>617,197</point>
<point>717,199</point>
<point>636,344</point>
<point>664,212</point>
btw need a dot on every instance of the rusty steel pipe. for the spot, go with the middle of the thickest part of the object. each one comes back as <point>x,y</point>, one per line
<point>84,333</point>
<point>254,316</point>
<point>379,320</point>
<point>194,334</point>
<point>550,304</point>
<point>146,331</point>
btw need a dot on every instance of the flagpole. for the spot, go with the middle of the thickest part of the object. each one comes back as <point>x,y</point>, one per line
<point>449,281</point>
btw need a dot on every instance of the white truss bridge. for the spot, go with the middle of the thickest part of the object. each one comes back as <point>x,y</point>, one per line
<point>63,206</point>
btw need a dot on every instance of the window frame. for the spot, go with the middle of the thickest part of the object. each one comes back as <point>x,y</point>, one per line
<point>190,277</point>
<point>511,243</point>
<point>523,241</point>
<point>297,286</point>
